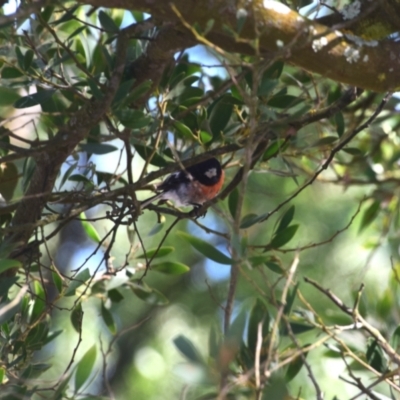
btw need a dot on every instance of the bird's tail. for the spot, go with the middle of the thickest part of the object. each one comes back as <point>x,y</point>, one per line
<point>150,200</point>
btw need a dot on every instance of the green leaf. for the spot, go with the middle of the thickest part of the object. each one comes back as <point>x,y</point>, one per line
<point>184,130</point>
<point>295,366</point>
<point>233,201</point>
<point>157,252</point>
<point>188,350</point>
<point>206,249</point>
<point>52,335</point>
<point>258,259</point>
<point>39,304</point>
<point>34,99</point>
<point>10,73</point>
<point>137,93</point>
<point>108,319</point>
<point>6,315</point>
<point>170,268</point>
<point>149,295</point>
<point>354,151</point>
<point>79,280</point>
<point>57,279</point>
<point>28,57</point>
<point>89,229</point>
<point>266,86</point>
<point>145,152</point>
<point>324,141</point>
<point>94,88</point>
<point>6,284</point>
<point>290,299</point>
<point>85,367</point>
<point>258,314</point>
<point>375,356</point>
<point>2,374</point>
<point>107,22</point>
<point>283,237</point>
<point>369,215</point>
<point>67,16</point>
<point>156,228</point>
<point>286,219</point>
<point>274,267</point>
<point>274,149</point>
<point>122,92</point>
<point>7,264</point>
<point>134,119</point>
<point>339,122</point>
<point>220,113</point>
<point>284,101</point>
<point>205,137</point>
<point>77,317</point>
<point>298,327</point>
<point>98,148</point>
<point>274,71</point>
<point>115,296</point>
<point>249,220</point>
<point>395,339</point>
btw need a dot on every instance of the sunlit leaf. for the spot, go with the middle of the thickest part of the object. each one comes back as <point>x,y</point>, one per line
<point>205,137</point>
<point>89,229</point>
<point>85,367</point>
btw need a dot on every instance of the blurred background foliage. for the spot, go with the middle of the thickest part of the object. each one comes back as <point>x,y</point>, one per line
<point>287,288</point>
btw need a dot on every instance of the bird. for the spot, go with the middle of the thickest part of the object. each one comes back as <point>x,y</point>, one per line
<point>192,186</point>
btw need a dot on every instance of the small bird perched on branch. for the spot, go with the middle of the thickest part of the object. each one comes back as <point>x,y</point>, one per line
<point>191,187</point>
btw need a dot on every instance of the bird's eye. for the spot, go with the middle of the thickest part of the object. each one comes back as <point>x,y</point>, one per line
<point>211,173</point>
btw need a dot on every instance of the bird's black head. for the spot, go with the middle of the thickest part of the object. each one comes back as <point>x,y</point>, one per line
<point>206,172</point>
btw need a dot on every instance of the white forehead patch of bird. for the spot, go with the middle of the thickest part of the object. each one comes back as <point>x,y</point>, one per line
<point>211,173</point>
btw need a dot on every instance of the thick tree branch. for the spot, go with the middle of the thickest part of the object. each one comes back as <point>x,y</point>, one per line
<point>368,64</point>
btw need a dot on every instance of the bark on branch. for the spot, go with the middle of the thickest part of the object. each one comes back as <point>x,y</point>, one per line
<point>350,59</point>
